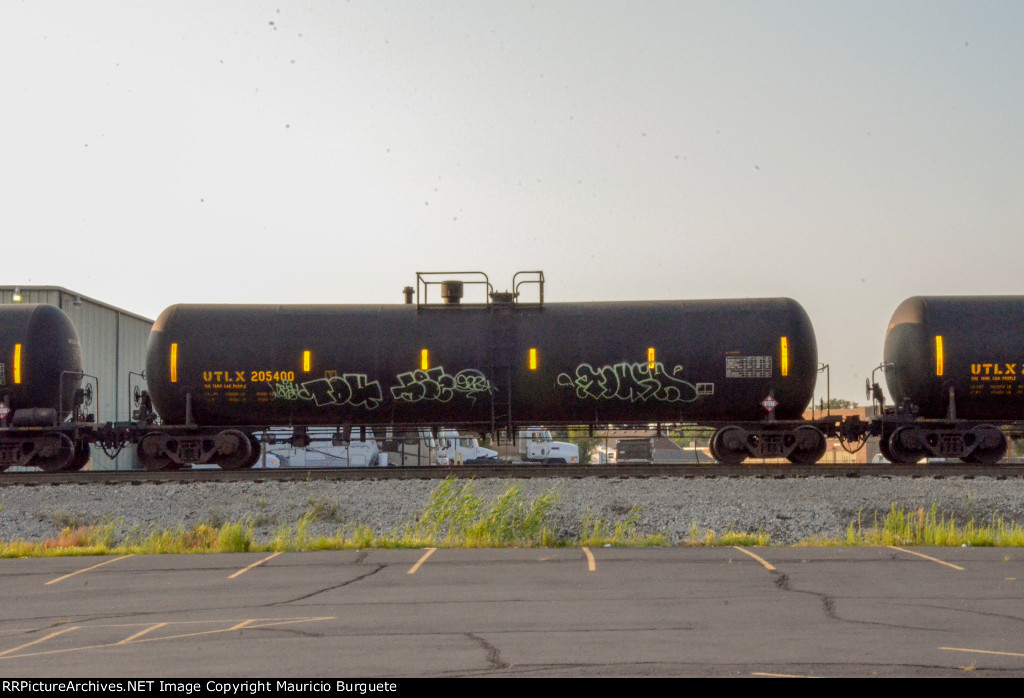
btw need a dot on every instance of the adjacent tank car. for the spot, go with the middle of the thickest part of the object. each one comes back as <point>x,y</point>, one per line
<point>40,380</point>
<point>223,371</point>
<point>954,366</point>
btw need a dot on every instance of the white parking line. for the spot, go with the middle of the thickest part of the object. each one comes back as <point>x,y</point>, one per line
<point>767,565</point>
<point>141,633</point>
<point>591,565</point>
<point>255,564</point>
<point>107,562</point>
<point>430,551</point>
<point>42,639</point>
<point>1001,654</point>
<point>248,623</point>
<point>783,676</point>
<point>927,557</point>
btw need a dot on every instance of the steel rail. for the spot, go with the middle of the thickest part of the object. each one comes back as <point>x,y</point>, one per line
<point>523,471</point>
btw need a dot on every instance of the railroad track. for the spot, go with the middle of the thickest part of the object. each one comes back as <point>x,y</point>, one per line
<point>522,471</point>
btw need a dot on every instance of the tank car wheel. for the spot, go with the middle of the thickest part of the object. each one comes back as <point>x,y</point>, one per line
<point>883,448</point>
<point>234,450</point>
<point>254,458</point>
<point>151,453</point>
<point>905,446</point>
<point>720,449</point>
<point>54,453</point>
<point>810,446</point>
<point>991,446</point>
<point>82,456</point>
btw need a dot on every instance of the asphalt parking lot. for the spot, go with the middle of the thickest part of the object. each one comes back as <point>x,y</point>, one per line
<point>877,611</point>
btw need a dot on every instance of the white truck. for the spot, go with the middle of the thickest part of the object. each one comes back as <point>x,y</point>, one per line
<point>537,446</point>
<point>450,448</point>
<point>326,450</point>
<point>323,451</point>
<point>453,449</point>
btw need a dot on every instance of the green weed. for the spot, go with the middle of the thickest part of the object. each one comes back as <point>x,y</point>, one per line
<point>322,510</point>
<point>63,519</point>
<point>234,538</point>
<point>595,532</point>
<point>921,527</point>
<point>214,520</point>
<point>455,515</point>
<point>711,538</point>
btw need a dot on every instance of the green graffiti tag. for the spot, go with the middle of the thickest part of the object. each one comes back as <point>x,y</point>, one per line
<point>635,382</point>
<point>289,391</point>
<point>435,385</point>
<point>351,389</point>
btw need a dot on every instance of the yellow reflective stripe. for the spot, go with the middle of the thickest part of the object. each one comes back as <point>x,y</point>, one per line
<point>424,359</point>
<point>939,359</point>
<point>784,351</point>
<point>533,359</point>
<point>650,358</point>
<point>306,361</point>
<point>174,363</point>
<point>17,363</point>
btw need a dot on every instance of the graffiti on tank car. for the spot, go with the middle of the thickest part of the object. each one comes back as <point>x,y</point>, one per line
<point>471,382</point>
<point>351,389</point>
<point>287,390</point>
<point>635,382</point>
<point>435,385</point>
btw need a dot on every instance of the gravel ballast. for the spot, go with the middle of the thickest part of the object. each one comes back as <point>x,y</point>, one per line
<point>789,510</point>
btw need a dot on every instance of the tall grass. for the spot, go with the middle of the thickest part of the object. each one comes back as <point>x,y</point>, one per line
<point>710,538</point>
<point>100,540</point>
<point>596,531</point>
<point>921,527</point>
<point>456,515</point>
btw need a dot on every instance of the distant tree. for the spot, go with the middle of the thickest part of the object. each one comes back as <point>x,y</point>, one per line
<point>580,435</point>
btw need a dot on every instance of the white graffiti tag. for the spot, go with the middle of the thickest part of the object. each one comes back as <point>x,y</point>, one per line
<point>635,382</point>
<point>436,385</point>
<point>353,389</point>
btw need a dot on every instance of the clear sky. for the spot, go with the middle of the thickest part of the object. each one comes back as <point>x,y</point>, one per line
<point>847,154</point>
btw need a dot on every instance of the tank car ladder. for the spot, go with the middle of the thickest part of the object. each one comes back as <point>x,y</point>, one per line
<point>501,348</point>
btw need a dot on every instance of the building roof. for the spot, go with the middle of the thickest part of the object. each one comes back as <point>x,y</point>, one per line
<point>77,296</point>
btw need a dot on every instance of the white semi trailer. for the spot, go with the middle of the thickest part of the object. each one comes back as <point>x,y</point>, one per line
<point>322,451</point>
<point>537,446</point>
<point>325,449</point>
<point>453,449</point>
